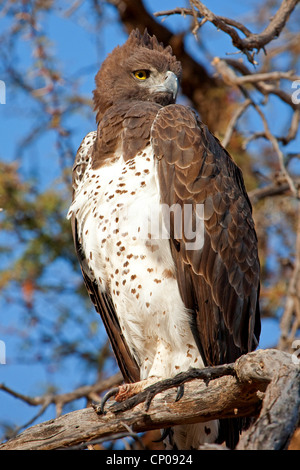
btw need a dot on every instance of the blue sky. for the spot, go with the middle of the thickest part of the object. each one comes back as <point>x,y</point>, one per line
<point>80,50</point>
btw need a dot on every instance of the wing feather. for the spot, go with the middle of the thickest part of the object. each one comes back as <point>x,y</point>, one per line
<point>219,282</point>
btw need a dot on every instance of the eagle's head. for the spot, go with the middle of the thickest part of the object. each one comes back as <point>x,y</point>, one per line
<point>142,69</point>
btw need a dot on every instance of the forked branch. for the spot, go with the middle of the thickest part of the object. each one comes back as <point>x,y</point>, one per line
<point>251,41</point>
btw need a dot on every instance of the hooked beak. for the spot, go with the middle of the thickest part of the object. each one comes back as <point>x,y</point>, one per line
<point>170,84</point>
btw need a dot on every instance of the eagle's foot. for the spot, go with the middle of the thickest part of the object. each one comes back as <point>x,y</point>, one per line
<point>180,392</point>
<point>129,390</point>
<point>106,397</point>
<point>125,391</point>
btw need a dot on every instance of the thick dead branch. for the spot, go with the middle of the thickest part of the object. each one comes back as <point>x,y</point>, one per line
<point>223,397</point>
<point>279,415</point>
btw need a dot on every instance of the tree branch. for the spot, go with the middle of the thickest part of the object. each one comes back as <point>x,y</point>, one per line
<point>279,416</point>
<point>235,395</point>
<point>90,392</point>
<point>273,189</point>
<point>258,80</point>
<point>290,320</point>
<point>233,121</point>
<point>227,25</point>
<point>62,399</point>
<point>230,77</point>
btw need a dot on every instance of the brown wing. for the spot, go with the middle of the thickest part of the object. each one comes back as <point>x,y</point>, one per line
<point>218,282</point>
<point>101,300</point>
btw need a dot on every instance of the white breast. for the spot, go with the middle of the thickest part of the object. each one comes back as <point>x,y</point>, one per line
<point>119,215</point>
<point>119,219</point>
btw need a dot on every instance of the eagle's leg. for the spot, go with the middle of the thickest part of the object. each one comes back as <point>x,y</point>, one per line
<point>131,389</point>
<point>127,390</point>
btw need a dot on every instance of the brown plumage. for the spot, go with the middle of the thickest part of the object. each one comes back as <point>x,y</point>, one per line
<point>140,124</point>
<point>114,82</point>
<point>223,277</point>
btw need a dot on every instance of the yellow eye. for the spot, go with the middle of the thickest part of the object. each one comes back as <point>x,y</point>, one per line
<point>141,74</point>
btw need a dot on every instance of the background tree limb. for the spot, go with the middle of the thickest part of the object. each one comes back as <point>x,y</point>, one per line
<point>251,41</point>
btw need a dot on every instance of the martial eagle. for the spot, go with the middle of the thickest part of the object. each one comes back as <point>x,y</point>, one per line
<point>175,288</point>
